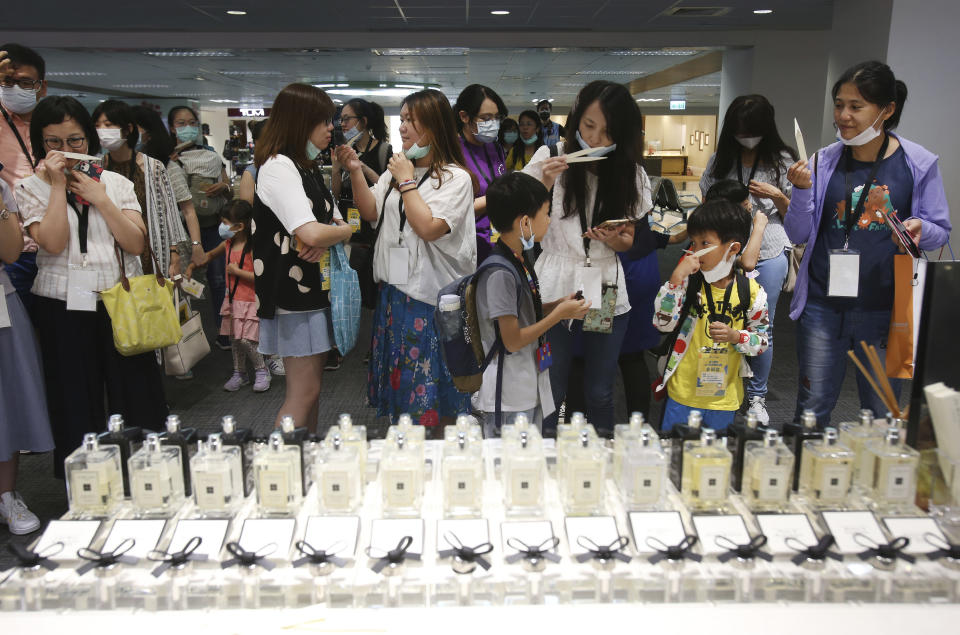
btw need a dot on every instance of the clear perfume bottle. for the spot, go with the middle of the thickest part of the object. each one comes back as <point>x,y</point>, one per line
<point>568,437</point>
<point>855,435</point>
<point>524,473</point>
<point>353,436</point>
<point>127,440</point>
<point>297,436</point>
<point>706,472</point>
<point>894,478</point>
<point>232,435</point>
<point>338,476</point>
<point>583,486</point>
<point>679,435</point>
<point>156,477</point>
<point>94,480</point>
<point>623,436</point>
<point>217,476</point>
<point>767,473</point>
<point>278,477</point>
<point>796,434</point>
<point>470,426</point>
<point>643,476</point>
<point>401,477</point>
<point>462,470</point>
<point>185,439</point>
<point>826,470</point>
<point>739,434</point>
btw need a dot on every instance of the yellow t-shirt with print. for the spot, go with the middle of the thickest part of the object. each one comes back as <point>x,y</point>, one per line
<point>684,383</point>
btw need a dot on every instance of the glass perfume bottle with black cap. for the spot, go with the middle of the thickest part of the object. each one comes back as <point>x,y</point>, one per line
<point>94,481</point>
<point>679,435</point>
<point>186,440</point>
<point>127,439</point>
<point>795,434</point>
<point>739,434</point>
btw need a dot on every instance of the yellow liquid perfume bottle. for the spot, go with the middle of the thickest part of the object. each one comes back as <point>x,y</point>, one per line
<point>643,472</point>
<point>339,479</point>
<point>94,479</point>
<point>894,479</point>
<point>401,476</point>
<point>156,477</point>
<point>217,475</point>
<point>353,436</point>
<point>706,473</point>
<point>680,434</point>
<point>524,473</point>
<point>826,471</point>
<point>278,477</point>
<point>583,486</point>
<point>795,435</point>
<point>462,470</point>
<point>855,435</point>
<point>767,473</point>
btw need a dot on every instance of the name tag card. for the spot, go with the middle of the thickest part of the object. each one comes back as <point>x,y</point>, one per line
<point>532,533</point>
<point>709,528</point>
<point>469,531</point>
<point>591,281</point>
<point>144,533</point>
<point>665,527</point>
<point>211,532</point>
<point>916,529</point>
<point>74,534</point>
<point>845,525</point>
<point>779,527</point>
<point>602,530</point>
<point>193,287</point>
<point>323,532</point>
<point>81,289</point>
<point>258,533</point>
<point>844,279</point>
<point>386,533</point>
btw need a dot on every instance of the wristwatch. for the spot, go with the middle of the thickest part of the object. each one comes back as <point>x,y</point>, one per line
<point>194,242</point>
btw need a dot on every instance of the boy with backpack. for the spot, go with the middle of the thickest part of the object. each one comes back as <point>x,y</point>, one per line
<point>715,315</point>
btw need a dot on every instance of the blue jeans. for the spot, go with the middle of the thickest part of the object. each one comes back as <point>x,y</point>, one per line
<point>600,354</point>
<point>216,271</point>
<point>773,272</point>
<point>22,274</point>
<point>675,413</point>
<point>824,335</point>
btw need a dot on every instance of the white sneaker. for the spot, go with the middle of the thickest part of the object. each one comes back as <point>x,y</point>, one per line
<point>758,407</point>
<point>14,512</point>
<point>275,364</point>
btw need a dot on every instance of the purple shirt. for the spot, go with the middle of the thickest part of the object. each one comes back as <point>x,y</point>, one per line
<point>487,163</point>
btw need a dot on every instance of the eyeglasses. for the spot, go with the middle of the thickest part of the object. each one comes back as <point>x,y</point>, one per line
<point>56,143</point>
<point>26,84</point>
<point>486,118</point>
<point>348,118</point>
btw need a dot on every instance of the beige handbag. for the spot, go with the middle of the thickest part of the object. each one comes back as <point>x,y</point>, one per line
<point>180,358</point>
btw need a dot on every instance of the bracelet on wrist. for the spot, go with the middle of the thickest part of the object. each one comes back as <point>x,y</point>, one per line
<point>406,182</point>
<point>408,189</point>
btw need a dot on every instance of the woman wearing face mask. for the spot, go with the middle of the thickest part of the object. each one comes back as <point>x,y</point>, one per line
<point>577,253</point>
<point>528,141</point>
<point>480,110</point>
<point>78,221</point>
<point>508,134</point>
<point>751,151</point>
<point>844,291</point>
<point>118,135</point>
<point>423,208</point>
<point>210,187</point>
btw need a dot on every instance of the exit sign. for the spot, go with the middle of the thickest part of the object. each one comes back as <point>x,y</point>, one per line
<point>678,104</point>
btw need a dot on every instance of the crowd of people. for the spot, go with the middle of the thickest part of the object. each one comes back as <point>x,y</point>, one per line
<point>575,298</point>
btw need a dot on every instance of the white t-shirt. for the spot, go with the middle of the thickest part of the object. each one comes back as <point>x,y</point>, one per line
<point>558,267</point>
<point>430,265</point>
<point>280,187</point>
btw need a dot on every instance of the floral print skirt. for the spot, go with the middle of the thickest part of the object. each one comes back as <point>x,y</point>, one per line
<point>407,373</point>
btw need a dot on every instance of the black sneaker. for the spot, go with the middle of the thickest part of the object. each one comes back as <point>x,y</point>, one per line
<point>334,360</point>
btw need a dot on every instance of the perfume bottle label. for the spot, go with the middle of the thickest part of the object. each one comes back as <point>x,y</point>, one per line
<point>771,483</point>
<point>834,482</point>
<point>89,488</point>
<point>273,488</point>
<point>586,484</point>
<point>398,488</point>
<point>525,487</point>
<point>647,483</point>
<point>150,488</point>
<point>212,489</point>
<point>335,489</point>
<point>461,488</point>
<point>712,482</point>
<point>899,483</point>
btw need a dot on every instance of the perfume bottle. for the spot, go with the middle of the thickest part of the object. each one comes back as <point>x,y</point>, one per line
<point>739,434</point>
<point>94,480</point>
<point>185,439</point>
<point>524,473</point>
<point>338,476</point>
<point>623,436</point>
<point>401,477</point>
<point>278,477</point>
<point>855,435</point>
<point>353,436</point>
<point>679,435</point>
<point>706,472</point>
<point>297,436</point>
<point>231,435</point>
<point>643,476</point>
<point>156,477</point>
<point>127,440</point>
<point>767,473</point>
<point>795,435</point>
<point>826,470</point>
<point>583,484</point>
<point>462,470</point>
<point>894,478</point>
<point>470,426</point>
<point>568,437</point>
<point>413,434</point>
<point>217,477</point>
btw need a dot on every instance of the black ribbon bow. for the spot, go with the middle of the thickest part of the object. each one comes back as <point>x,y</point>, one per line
<point>817,553</point>
<point>313,555</point>
<point>27,559</point>
<point>674,553</point>
<point>603,552</point>
<point>394,556</point>
<point>543,551</point>
<point>177,558</point>
<point>946,549</point>
<point>249,558</point>
<point>748,551</point>
<point>98,559</point>
<point>464,553</point>
<point>889,551</point>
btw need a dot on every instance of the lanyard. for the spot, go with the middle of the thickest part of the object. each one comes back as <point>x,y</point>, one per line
<point>486,155</point>
<point>530,274</point>
<point>753,170</point>
<point>854,214</point>
<point>16,133</point>
<point>83,222</point>
<point>583,224</point>
<point>403,214</point>
<point>236,279</point>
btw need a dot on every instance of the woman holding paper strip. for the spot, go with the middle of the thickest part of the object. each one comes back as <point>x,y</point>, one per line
<point>845,287</point>
<point>608,184</point>
<point>751,151</point>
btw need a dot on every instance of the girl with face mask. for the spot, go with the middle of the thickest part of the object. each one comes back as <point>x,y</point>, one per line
<point>840,202</point>
<point>750,151</point>
<point>528,141</point>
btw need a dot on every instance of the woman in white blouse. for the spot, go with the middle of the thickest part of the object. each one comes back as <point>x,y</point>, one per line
<point>580,255</point>
<point>423,210</point>
<point>78,221</point>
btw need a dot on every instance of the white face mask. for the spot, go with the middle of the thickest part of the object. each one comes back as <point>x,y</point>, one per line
<point>749,142</point>
<point>722,269</point>
<point>18,100</point>
<point>111,138</point>
<point>866,136</point>
<point>487,131</point>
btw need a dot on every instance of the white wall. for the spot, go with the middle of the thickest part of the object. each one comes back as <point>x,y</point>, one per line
<point>673,132</point>
<point>736,76</point>
<point>219,124</point>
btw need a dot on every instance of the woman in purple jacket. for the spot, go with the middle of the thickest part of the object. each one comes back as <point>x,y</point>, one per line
<point>840,203</point>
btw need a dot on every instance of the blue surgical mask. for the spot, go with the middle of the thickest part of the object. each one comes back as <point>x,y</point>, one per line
<point>351,134</point>
<point>225,232</point>
<point>187,134</point>
<point>510,138</point>
<point>527,242</point>
<point>140,146</point>
<point>487,131</point>
<point>532,140</point>
<point>416,152</point>
<point>597,152</point>
<point>312,151</point>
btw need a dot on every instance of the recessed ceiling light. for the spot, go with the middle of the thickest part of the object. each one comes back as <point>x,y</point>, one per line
<point>499,12</point>
<point>200,79</point>
<point>189,53</point>
<point>650,99</point>
<point>763,11</point>
<point>224,101</point>
<point>236,12</point>
<point>74,74</point>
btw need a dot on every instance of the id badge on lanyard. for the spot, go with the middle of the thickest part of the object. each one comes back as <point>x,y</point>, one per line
<point>81,288</point>
<point>844,277</point>
<point>713,369</point>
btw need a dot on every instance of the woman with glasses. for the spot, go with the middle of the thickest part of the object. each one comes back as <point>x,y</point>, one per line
<point>79,221</point>
<point>479,112</point>
<point>528,141</point>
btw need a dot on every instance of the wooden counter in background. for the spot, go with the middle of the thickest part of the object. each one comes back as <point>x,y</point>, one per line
<point>665,164</point>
